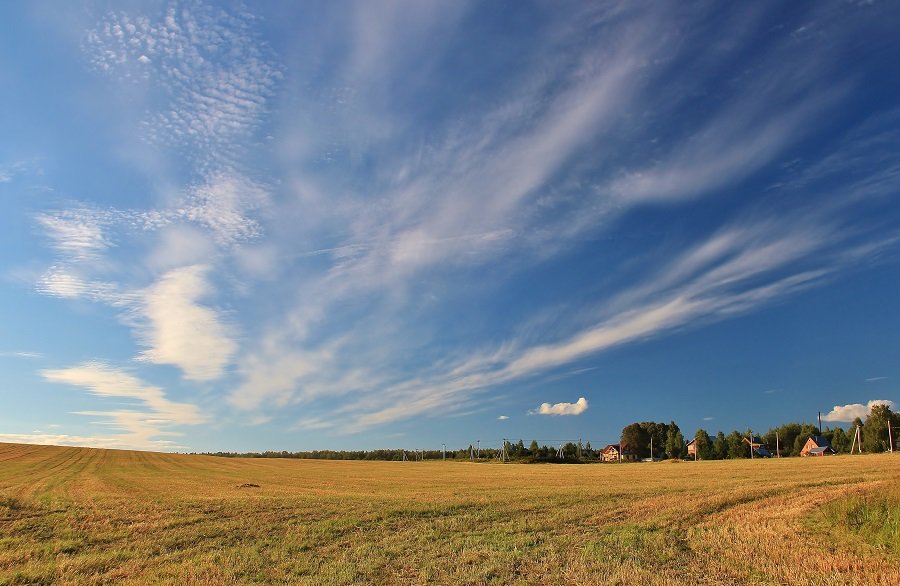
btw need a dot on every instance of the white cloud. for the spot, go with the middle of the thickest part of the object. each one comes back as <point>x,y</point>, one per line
<point>717,159</point>
<point>215,74</point>
<point>222,204</point>
<point>120,441</point>
<point>181,332</point>
<point>21,354</point>
<point>844,413</point>
<point>180,245</point>
<point>65,282</point>
<point>503,418</point>
<point>149,416</point>
<point>9,171</point>
<point>576,408</point>
<point>875,379</point>
<point>77,235</point>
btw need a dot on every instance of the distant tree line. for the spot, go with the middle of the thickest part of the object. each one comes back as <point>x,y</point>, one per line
<point>571,453</point>
<point>789,439</point>
<point>664,439</point>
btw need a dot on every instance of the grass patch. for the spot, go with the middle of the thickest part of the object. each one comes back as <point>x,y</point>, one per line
<point>871,518</point>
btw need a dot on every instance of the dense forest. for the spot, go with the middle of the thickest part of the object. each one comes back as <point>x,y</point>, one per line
<point>666,440</point>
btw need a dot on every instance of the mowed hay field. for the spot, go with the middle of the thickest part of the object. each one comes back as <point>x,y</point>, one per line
<point>85,516</point>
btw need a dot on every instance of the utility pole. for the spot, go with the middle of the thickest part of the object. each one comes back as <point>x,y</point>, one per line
<point>443,451</point>
<point>857,441</point>
<point>890,438</point>
<point>777,446</point>
<point>478,452</point>
<point>750,431</point>
<point>820,423</point>
<point>651,448</point>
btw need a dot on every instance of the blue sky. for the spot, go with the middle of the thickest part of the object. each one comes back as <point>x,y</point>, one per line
<point>339,225</point>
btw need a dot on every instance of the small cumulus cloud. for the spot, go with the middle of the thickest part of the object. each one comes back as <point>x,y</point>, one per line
<point>854,410</point>
<point>875,379</point>
<point>708,418</point>
<point>503,418</point>
<point>576,408</point>
<point>770,391</point>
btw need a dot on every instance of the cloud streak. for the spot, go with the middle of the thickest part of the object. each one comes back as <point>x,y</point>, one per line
<point>150,416</point>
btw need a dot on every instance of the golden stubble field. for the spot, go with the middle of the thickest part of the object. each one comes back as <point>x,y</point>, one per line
<point>85,516</point>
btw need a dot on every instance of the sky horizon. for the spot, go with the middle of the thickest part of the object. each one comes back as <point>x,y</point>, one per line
<point>358,225</point>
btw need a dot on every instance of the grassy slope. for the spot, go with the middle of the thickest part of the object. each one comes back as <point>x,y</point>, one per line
<point>80,516</point>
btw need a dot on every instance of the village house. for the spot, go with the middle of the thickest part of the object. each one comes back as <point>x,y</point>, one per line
<point>692,449</point>
<point>617,453</point>
<point>759,447</point>
<point>817,445</point>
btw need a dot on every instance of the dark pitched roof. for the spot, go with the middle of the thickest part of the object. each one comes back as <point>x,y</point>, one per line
<point>820,441</point>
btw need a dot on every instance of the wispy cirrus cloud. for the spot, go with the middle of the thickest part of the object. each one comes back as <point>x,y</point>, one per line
<point>530,177</point>
<point>765,261</point>
<point>208,78</point>
<point>150,416</point>
<point>117,441</point>
<point>438,221</point>
<point>22,354</point>
<point>78,234</point>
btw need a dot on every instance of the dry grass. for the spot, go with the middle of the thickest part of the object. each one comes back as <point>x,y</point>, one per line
<point>80,516</point>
